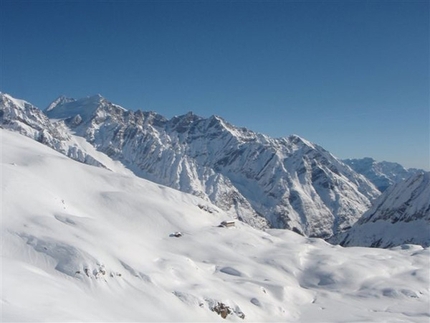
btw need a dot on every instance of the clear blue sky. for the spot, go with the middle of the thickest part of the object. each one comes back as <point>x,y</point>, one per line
<point>351,76</point>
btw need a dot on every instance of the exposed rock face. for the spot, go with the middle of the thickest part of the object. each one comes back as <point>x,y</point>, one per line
<point>399,216</point>
<point>381,174</point>
<point>285,183</point>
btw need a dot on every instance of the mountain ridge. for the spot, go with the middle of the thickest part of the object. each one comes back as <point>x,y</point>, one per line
<point>381,174</point>
<point>246,173</point>
<point>287,183</point>
<point>401,215</point>
<point>23,117</point>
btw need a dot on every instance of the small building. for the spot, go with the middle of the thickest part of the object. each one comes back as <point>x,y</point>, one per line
<point>227,224</point>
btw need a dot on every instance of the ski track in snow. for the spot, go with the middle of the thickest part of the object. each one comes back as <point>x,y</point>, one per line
<point>81,243</point>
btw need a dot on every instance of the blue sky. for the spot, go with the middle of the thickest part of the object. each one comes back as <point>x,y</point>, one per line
<point>351,76</point>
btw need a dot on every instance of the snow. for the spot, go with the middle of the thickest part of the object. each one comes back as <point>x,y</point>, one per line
<point>82,243</point>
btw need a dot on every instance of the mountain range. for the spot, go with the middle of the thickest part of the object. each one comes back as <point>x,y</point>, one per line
<point>285,183</point>
<point>87,237</point>
<point>381,174</point>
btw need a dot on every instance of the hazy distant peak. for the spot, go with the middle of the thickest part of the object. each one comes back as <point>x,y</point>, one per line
<point>151,117</point>
<point>216,118</point>
<point>365,161</point>
<point>296,139</point>
<point>71,108</point>
<point>382,174</point>
<point>64,108</point>
<point>189,116</point>
<point>62,99</point>
<point>95,99</point>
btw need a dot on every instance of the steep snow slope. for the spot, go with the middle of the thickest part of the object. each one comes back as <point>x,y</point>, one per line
<point>290,182</point>
<point>381,174</point>
<point>81,243</point>
<point>400,215</point>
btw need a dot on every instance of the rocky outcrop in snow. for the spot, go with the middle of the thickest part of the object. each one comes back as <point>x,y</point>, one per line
<point>381,174</point>
<point>289,182</point>
<point>401,215</point>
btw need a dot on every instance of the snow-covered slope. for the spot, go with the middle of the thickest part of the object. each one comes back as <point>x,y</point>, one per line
<point>85,244</point>
<point>290,182</point>
<point>381,174</point>
<point>400,215</point>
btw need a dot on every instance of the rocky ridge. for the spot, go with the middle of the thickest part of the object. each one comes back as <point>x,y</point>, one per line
<point>286,183</point>
<point>23,117</point>
<point>401,215</point>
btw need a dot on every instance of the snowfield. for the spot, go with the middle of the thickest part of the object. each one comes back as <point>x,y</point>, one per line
<point>83,243</point>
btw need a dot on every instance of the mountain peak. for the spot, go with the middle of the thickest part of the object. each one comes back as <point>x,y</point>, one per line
<point>18,102</point>
<point>297,140</point>
<point>382,174</point>
<point>94,99</point>
<point>184,122</point>
<point>62,99</point>
<point>64,108</point>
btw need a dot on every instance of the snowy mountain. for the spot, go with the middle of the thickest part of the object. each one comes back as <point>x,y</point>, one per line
<point>381,174</point>
<point>87,244</point>
<point>26,119</point>
<point>289,182</point>
<point>400,215</point>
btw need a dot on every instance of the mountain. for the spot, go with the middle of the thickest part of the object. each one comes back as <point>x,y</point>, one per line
<point>87,244</point>
<point>26,119</point>
<point>282,183</point>
<point>400,215</point>
<point>381,174</point>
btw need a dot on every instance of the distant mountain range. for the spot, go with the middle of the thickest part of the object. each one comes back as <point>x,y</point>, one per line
<point>381,174</point>
<point>286,183</point>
